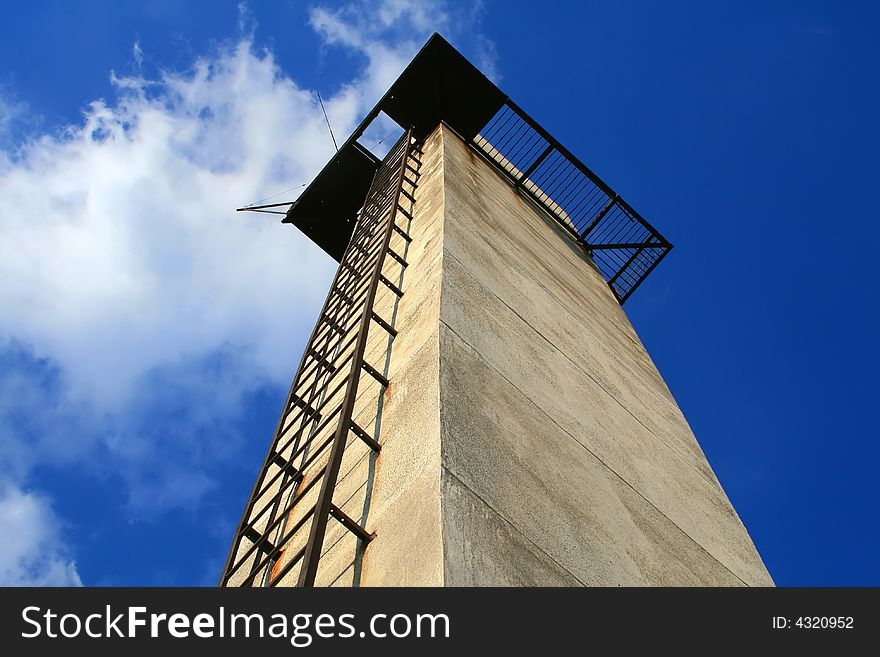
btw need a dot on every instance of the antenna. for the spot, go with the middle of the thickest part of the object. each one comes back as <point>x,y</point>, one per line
<point>253,207</point>
<point>328,122</point>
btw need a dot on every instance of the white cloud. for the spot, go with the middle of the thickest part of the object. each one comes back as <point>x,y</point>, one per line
<point>138,54</point>
<point>121,248</point>
<point>127,281</point>
<point>125,268</point>
<point>390,33</point>
<point>31,553</point>
<point>14,118</point>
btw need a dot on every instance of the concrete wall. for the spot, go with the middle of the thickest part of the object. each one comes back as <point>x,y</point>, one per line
<point>564,458</point>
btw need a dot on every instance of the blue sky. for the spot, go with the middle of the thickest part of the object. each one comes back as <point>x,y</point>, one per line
<point>148,333</point>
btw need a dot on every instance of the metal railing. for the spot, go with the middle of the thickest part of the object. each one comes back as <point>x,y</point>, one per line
<point>623,245</point>
<point>281,533</point>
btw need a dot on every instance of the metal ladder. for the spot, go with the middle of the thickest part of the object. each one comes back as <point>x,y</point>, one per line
<point>281,528</point>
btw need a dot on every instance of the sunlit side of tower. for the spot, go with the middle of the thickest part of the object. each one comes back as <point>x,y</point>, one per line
<point>473,406</point>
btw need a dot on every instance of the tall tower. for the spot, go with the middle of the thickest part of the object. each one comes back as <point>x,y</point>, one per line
<point>473,406</point>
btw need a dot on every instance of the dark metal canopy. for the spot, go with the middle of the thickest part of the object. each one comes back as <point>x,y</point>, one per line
<point>441,85</point>
<point>438,85</point>
<point>327,209</point>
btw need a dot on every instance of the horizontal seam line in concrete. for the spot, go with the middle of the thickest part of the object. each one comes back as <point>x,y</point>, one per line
<point>609,468</point>
<point>512,525</point>
<point>635,341</point>
<point>555,226</point>
<point>586,373</point>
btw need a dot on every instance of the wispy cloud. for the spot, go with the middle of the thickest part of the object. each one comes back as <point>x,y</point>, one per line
<point>138,54</point>
<point>31,552</point>
<point>15,119</point>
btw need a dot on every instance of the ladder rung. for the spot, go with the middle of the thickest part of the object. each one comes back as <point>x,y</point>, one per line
<point>373,372</point>
<point>393,254</point>
<point>253,536</point>
<point>385,325</point>
<point>408,195</point>
<point>367,438</point>
<point>391,286</point>
<point>400,231</point>
<point>299,402</point>
<point>412,183</point>
<point>406,214</point>
<point>333,325</point>
<point>322,361</point>
<point>350,524</point>
<point>284,464</point>
<point>415,171</point>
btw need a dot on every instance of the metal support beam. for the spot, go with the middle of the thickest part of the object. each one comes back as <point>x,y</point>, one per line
<point>367,438</point>
<point>376,374</point>
<point>598,217</point>
<point>385,325</point>
<point>626,245</point>
<point>528,172</point>
<point>351,525</point>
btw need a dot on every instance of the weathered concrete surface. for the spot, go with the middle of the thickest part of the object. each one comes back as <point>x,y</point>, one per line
<point>554,417</point>
<point>557,497</point>
<point>527,438</point>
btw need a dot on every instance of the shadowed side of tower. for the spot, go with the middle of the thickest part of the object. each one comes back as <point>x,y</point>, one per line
<point>565,459</point>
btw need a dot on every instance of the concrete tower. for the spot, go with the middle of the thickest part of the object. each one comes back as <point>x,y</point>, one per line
<point>474,407</point>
